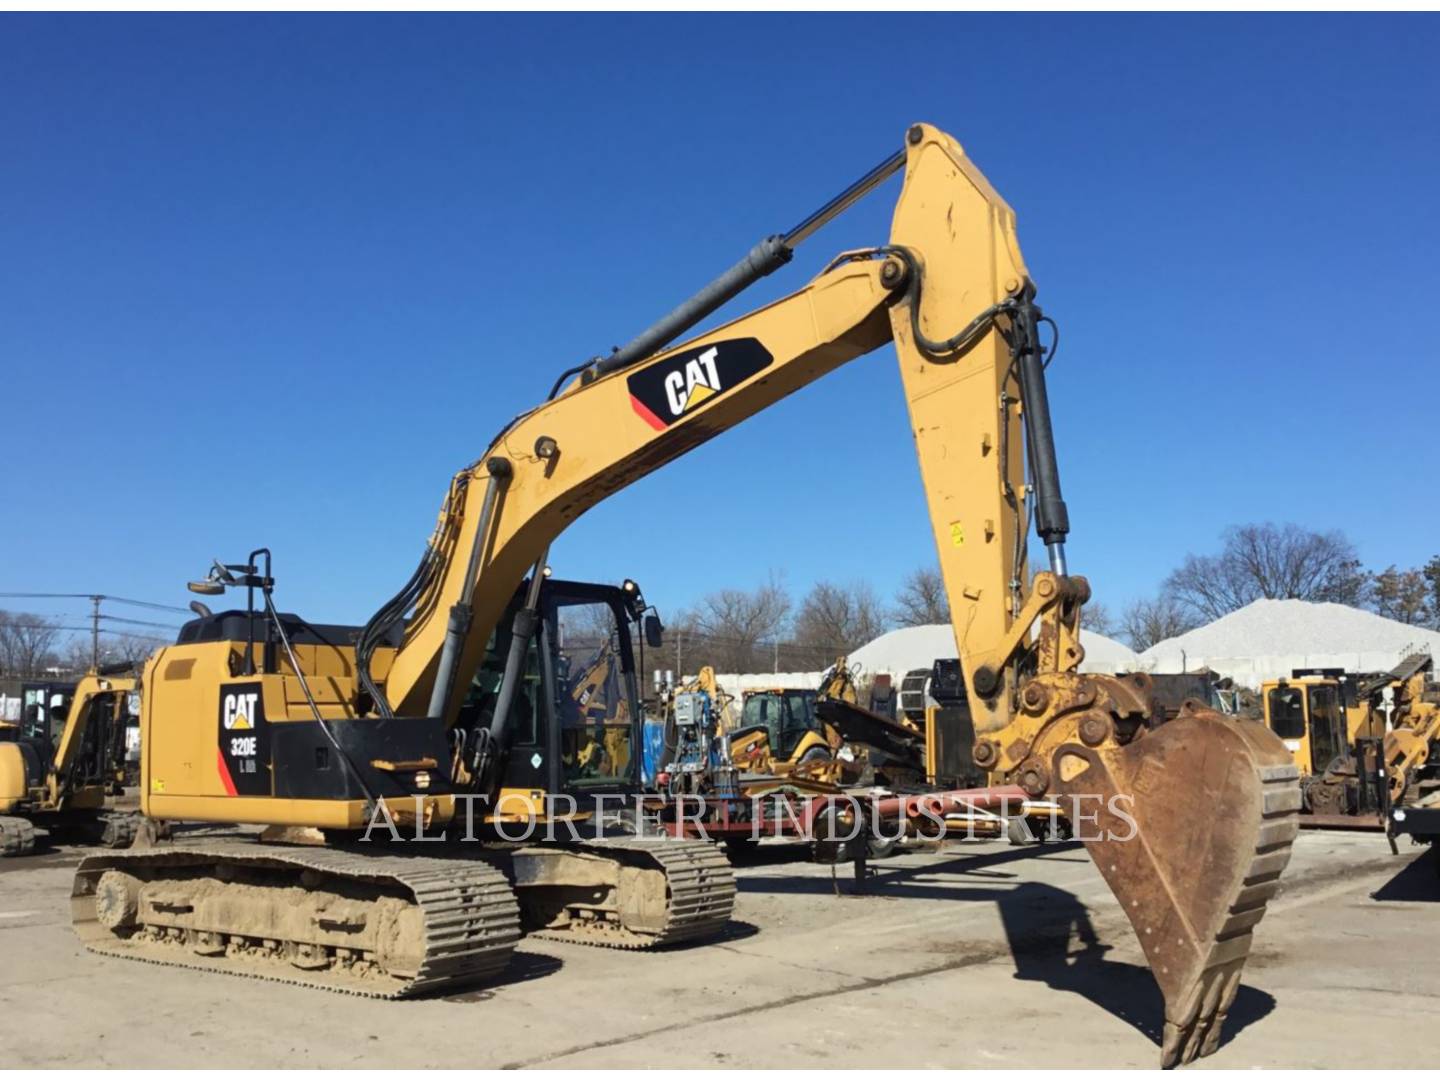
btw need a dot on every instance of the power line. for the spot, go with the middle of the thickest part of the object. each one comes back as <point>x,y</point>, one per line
<point>86,630</point>
<point>96,599</point>
<point>148,604</point>
<point>140,622</point>
<point>92,596</point>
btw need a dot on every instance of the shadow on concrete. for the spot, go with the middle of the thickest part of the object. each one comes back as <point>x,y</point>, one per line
<point>1417,880</point>
<point>1049,931</point>
<point>1054,942</point>
<point>768,854</point>
<point>901,878</point>
<point>735,930</point>
<point>523,967</point>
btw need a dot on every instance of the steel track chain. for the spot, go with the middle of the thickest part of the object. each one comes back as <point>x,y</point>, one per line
<point>700,893</point>
<point>471,918</point>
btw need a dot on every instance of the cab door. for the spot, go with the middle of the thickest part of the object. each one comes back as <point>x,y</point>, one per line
<point>1285,716</point>
<point>1327,740</point>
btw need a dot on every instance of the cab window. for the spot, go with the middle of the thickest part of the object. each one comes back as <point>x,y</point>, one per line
<point>797,719</point>
<point>1325,727</point>
<point>479,705</point>
<point>1324,708</point>
<point>593,688</point>
<point>1287,712</point>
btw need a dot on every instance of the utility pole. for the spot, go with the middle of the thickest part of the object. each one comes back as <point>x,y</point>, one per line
<point>679,671</point>
<point>95,632</point>
<point>777,656</point>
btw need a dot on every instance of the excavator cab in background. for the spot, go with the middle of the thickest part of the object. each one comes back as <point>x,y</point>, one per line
<point>66,757</point>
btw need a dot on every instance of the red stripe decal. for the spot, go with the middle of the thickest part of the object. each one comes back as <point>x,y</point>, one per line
<point>645,414</point>
<point>224,772</point>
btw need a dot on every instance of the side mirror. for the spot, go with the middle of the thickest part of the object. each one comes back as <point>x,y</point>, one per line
<point>217,580</point>
<point>654,632</point>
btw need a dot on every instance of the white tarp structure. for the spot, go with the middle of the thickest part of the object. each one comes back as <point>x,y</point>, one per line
<point>1270,638</point>
<point>915,647</point>
<point>737,685</point>
<point>1265,640</point>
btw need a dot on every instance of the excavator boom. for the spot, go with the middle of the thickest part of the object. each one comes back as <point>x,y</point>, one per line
<point>1213,803</point>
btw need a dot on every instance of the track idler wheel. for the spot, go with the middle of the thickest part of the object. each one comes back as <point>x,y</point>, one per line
<point>17,836</point>
<point>1191,825</point>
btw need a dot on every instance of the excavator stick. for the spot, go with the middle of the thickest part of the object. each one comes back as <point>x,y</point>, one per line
<point>1191,825</point>
<point>1211,802</point>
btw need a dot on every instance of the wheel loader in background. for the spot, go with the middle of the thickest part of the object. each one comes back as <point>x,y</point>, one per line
<point>261,718</point>
<point>63,760</point>
<point>1362,743</point>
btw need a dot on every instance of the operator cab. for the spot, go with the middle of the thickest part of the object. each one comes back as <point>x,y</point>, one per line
<point>785,716</point>
<point>575,717</point>
<point>1309,715</point>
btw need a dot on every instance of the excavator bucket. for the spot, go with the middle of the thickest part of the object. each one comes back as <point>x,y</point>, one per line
<point>1192,829</point>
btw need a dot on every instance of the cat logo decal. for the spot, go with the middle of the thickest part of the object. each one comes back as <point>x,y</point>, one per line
<point>666,392</point>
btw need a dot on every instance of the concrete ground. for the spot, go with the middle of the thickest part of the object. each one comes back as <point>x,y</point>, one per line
<point>954,958</point>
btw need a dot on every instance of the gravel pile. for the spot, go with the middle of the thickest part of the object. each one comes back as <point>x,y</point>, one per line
<point>913,647</point>
<point>1270,638</point>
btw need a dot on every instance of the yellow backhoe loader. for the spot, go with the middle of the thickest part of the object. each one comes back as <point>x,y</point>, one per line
<point>780,735</point>
<point>62,761</point>
<point>258,717</point>
<point>788,732</point>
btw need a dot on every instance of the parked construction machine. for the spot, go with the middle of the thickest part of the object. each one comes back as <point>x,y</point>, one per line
<point>780,734</point>
<point>1361,743</point>
<point>788,732</point>
<point>63,761</point>
<point>259,717</point>
<point>691,753</point>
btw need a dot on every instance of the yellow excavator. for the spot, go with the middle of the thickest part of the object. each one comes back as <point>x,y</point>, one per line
<point>61,762</point>
<point>259,717</point>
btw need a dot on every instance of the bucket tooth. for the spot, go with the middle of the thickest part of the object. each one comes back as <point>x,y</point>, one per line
<point>1191,829</point>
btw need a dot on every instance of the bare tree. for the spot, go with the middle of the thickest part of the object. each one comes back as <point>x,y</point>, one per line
<point>1431,573</point>
<point>1403,595</point>
<point>730,629</point>
<point>837,619</point>
<point>27,643</point>
<point>77,655</point>
<point>1096,616</point>
<point>1267,561</point>
<point>132,649</point>
<point>922,600</point>
<point>1146,622</point>
<point>586,625</point>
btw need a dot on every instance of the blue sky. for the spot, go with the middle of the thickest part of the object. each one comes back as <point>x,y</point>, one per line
<point>271,280</point>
